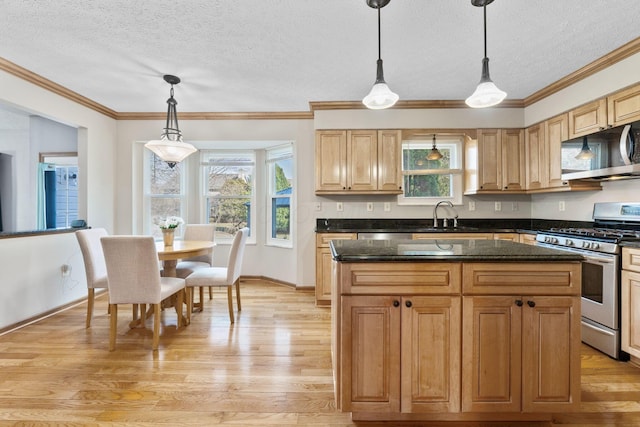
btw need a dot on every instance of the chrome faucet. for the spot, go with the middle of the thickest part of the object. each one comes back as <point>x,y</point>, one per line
<point>445,220</point>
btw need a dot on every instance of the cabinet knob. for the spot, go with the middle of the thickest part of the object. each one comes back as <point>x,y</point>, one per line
<point>519,302</point>
<point>408,304</point>
<point>396,303</point>
<point>531,303</point>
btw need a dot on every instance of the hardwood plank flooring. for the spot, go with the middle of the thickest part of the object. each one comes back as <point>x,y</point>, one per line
<point>271,368</point>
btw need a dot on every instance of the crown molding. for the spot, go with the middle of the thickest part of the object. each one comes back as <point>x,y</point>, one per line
<point>47,84</point>
<point>600,64</point>
<point>407,105</point>
<point>284,115</point>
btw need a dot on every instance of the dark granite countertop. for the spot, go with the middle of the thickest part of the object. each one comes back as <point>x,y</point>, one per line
<point>445,250</point>
<point>425,225</point>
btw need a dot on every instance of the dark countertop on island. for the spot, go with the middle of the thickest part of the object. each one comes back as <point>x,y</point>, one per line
<point>445,250</point>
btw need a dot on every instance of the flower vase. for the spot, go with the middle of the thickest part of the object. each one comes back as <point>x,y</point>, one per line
<point>167,236</point>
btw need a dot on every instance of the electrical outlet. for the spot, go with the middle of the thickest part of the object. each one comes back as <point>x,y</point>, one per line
<point>339,207</point>
<point>318,206</point>
<point>387,207</point>
<point>472,206</point>
<point>369,207</point>
<point>561,206</point>
<point>514,206</point>
<point>498,206</point>
<point>65,270</point>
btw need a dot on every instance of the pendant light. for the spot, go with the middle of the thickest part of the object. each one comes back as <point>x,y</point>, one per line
<point>434,154</point>
<point>170,146</point>
<point>487,93</point>
<point>380,96</point>
<point>585,153</point>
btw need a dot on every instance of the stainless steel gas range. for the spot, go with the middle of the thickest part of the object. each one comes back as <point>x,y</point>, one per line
<point>600,247</point>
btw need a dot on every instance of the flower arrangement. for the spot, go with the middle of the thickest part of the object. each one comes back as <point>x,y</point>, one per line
<point>170,222</point>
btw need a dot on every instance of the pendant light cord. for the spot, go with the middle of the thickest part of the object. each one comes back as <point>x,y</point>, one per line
<point>485,29</point>
<point>379,49</point>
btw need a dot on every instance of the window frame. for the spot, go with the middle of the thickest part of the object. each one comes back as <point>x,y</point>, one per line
<point>272,155</point>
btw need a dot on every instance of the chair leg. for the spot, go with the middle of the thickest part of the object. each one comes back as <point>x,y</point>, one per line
<point>179,302</point>
<point>156,326</point>
<point>113,326</point>
<point>210,292</point>
<point>230,300</point>
<point>201,295</point>
<point>238,294</point>
<point>90,299</point>
<point>134,313</point>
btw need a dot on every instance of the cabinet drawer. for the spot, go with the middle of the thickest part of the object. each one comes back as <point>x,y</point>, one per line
<point>631,259</point>
<point>323,239</point>
<point>522,278</point>
<point>401,278</point>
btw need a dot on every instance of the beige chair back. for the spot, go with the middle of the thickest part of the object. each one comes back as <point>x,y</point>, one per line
<point>205,232</point>
<point>132,268</point>
<point>236,254</point>
<point>93,257</point>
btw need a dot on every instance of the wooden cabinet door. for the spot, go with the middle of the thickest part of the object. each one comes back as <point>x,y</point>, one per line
<point>323,264</point>
<point>390,161</point>
<point>630,326</point>
<point>513,167</point>
<point>430,354</point>
<point>535,157</point>
<point>550,352</point>
<point>491,354</point>
<point>624,107</point>
<point>362,160</point>
<point>331,160</point>
<point>513,237</point>
<point>587,119</point>
<point>528,239</point>
<point>556,131</point>
<point>489,159</point>
<point>370,354</point>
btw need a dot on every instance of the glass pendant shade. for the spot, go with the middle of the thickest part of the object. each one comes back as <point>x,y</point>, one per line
<point>434,154</point>
<point>170,147</point>
<point>380,96</point>
<point>585,153</point>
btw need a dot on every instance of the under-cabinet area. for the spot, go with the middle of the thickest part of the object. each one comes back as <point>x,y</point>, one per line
<point>448,337</point>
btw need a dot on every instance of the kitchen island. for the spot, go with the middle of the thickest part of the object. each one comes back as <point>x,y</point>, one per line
<point>455,330</point>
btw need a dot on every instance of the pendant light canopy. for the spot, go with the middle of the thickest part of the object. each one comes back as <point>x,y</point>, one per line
<point>487,93</point>
<point>434,154</point>
<point>170,146</point>
<point>585,153</point>
<point>380,96</point>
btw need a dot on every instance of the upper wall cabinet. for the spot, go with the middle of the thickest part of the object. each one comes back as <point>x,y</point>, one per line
<point>358,162</point>
<point>536,156</point>
<point>624,107</point>
<point>588,118</point>
<point>495,162</point>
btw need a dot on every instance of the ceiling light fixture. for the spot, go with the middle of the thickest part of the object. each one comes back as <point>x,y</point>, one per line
<point>487,93</point>
<point>585,153</point>
<point>380,96</point>
<point>170,146</point>
<point>434,154</point>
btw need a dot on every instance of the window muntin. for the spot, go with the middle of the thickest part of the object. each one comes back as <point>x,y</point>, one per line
<point>279,195</point>
<point>426,182</point>
<point>228,183</point>
<point>165,193</point>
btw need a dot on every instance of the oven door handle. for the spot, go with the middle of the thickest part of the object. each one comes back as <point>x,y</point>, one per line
<point>597,329</point>
<point>598,260</point>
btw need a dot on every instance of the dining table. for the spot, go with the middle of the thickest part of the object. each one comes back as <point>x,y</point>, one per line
<point>169,255</point>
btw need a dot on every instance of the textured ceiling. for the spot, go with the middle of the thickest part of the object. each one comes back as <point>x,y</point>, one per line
<point>274,56</point>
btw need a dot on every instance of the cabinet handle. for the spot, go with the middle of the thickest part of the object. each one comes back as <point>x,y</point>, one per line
<point>344,188</point>
<point>531,303</point>
<point>519,302</point>
<point>408,304</point>
<point>396,303</point>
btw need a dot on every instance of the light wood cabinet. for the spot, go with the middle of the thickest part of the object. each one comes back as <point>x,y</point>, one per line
<point>358,162</point>
<point>527,238</point>
<point>402,354</point>
<point>536,176</point>
<point>513,237</point>
<point>624,106</point>
<point>630,297</point>
<point>588,118</point>
<point>556,131</point>
<point>495,161</point>
<point>323,264</point>
<point>452,236</point>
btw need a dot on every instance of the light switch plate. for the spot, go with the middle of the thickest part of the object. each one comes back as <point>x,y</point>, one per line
<point>387,207</point>
<point>472,205</point>
<point>498,206</point>
<point>339,207</point>
<point>369,207</point>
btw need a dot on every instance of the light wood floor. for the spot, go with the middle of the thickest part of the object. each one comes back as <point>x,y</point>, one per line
<point>272,367</point>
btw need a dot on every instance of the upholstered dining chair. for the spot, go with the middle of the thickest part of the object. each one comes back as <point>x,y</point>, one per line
<point>134,278</point>
<point>220,276</point>
<point>94,265</point>
<point>196,232</point>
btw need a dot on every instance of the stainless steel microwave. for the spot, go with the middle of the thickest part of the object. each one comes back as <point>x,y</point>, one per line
<point>610,154</point>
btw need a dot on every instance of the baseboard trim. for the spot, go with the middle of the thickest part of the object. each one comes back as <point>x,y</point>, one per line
<point>278,282</point>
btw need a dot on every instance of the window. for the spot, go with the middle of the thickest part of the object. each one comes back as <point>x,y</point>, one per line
<point>165,192</point>
<point>279,193</point>
<point>426,182</point>
<point>228,182</point>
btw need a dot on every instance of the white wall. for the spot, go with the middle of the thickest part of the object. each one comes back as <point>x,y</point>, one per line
<point>31,282</point>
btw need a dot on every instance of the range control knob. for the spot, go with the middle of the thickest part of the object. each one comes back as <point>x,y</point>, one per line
<point>586,245</point>
<point>595,245</point>
<point>554,240</point>
<point>569,242</point>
